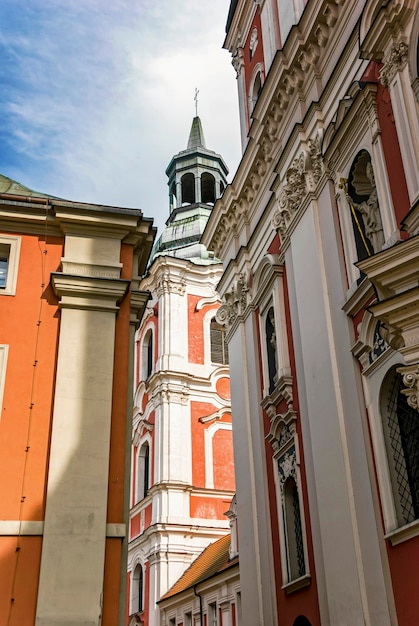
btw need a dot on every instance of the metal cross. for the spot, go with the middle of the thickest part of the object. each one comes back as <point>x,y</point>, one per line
<point>196,101</point>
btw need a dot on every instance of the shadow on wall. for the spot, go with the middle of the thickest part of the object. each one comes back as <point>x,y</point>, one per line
<point>75,391</point>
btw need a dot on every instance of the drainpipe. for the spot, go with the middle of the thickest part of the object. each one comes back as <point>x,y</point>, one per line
<point>201,611</point>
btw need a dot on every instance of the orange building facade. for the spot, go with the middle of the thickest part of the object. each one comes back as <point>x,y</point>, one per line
<point>69,305</point>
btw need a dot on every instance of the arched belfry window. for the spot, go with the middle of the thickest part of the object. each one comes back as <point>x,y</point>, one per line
<point>207,188</point>
<point>147,353</point>
<point>219,350</point>
<point>401,434</point>
<point>137,603</point>
<point>172,196</point>
<point>270,335</point>
<point>143,471</point>
<point>363,203</point>
<point>188,189</point>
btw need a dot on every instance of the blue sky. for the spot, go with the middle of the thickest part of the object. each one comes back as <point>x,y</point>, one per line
<point>96,96</point>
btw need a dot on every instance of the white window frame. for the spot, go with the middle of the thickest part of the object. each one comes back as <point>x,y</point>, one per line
<point>140,485</point>
<point>251,98</point>
<point>269,292</point>
<point>10,246</point>
<point>149,332</point>
<point>134,599</point>
<point>4,351</point>
<point>209,456</point>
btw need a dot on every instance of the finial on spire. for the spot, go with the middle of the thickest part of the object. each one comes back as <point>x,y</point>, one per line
<point>196,101</point>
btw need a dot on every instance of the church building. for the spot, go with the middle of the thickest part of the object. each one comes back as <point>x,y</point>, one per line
<point>318,233</point>
<point>182,453</point>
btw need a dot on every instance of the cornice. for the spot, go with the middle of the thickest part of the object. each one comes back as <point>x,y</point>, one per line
<point>308,47</point>
<point>171,274</point>
<point>57,218</point>
<point>381,25</point>
<point>240,25</point>
<point>88,292</point>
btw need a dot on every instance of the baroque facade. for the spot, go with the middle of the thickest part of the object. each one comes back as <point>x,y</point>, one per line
<point>182,451</point>
<point>70,304</point>
<point>318,234</point>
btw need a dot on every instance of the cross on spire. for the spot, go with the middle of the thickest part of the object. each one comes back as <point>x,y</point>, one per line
<point>196,101</point>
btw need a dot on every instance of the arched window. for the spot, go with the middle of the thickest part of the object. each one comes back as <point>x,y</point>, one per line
<point>294,533</point>
<point>301,621</point>
<point>143,471</point>
<point>255,90</point>
<point>401,434</point>
<point>270,335</point>
<point>137,602</point>
<point>188,189</point>
<point>207,188</point>
<point>365,211</point>
<point>219,351</point>
<point>172,196</point>
<point>147,355</point>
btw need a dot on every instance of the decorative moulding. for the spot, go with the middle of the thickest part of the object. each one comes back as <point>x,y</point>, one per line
<point>403,534</point>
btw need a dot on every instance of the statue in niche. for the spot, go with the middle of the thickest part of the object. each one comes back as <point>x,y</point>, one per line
<point>271,349</point>
<point>370,212</point>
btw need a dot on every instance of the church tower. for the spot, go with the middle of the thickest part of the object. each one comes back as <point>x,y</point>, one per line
<point>182,452</point>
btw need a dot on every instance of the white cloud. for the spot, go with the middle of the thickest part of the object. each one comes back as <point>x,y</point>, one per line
<point>105,95</point>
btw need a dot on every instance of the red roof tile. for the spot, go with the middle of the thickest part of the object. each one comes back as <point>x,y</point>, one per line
<point>212,560</point>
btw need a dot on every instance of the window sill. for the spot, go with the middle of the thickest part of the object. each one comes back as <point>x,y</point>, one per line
<point>297,584</point>
<point>404,533</point>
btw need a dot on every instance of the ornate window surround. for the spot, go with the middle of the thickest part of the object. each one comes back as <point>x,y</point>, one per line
<point>373,377</point>
<point>149,332</point>
<point>258,71</point>
<point>284,440</point>
<point>209,433</point>
<point>209,315</point>
<point>355,128</point>
<point>268,291</point>
<point>142,472</point>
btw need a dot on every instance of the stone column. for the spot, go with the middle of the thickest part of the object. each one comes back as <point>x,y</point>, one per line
<point>73,550</point>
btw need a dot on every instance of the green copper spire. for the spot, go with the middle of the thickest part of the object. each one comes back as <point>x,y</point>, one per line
<point>196,136</point>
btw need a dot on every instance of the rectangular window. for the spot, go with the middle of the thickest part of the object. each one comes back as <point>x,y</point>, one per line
<point>4,261</point>
<point>188,619</point>
<point>3,361</point>
<point>212,614</point>
<point>9,260</point>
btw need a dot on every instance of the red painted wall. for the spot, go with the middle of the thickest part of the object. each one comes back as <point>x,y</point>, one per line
<point>222,449</point>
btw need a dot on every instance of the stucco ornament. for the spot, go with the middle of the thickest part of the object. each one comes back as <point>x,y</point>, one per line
<point>287,466</point>
<point>394,62</point>
<point>169,283</point>
<point>316,160</point>
<point>291,194</point>
<point>238,61</point>
<point>234,301</point>
<point>370,212</point>
<point>410,375</point>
